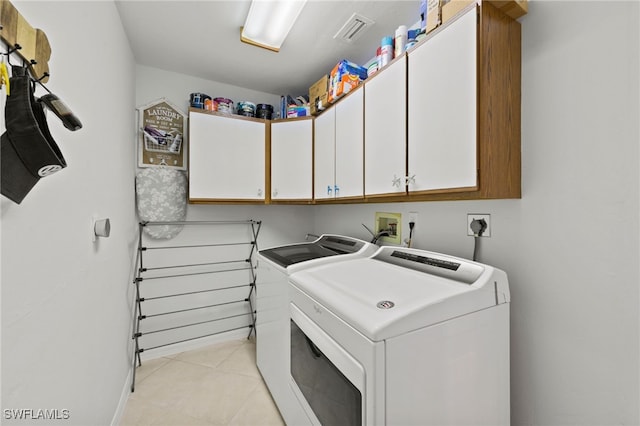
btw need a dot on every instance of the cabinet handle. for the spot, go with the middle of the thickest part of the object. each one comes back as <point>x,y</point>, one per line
<point>410,179</point>
<point>275,192</point>
<point>329,190</point>
<point>337,191</point>
<point>396,181</point>
<point>259,192</point>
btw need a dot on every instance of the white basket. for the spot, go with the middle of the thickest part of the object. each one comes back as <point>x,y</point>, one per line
<point>169,143</point>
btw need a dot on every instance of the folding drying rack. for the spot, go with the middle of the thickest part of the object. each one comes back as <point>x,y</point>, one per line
<point>169,272</point>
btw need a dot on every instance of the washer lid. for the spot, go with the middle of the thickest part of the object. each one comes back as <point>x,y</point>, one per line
<point>325,246</point>
<point>382,299</point>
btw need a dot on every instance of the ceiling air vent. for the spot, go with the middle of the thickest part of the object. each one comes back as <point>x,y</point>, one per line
<point>353,28</point>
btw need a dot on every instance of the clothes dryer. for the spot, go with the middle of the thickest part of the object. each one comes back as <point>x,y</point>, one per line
<point>272,305</point>
<point>403,337</point>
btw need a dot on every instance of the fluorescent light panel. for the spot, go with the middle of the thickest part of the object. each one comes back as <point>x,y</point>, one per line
<point>269,22</point>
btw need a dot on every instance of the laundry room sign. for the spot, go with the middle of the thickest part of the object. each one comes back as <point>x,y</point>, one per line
<point>162,134</point>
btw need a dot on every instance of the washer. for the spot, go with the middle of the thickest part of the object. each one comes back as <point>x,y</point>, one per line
<point>403,337</point>
<point>272,305</point>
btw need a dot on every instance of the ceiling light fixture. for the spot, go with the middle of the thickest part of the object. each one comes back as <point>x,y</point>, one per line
<point>269,22</point>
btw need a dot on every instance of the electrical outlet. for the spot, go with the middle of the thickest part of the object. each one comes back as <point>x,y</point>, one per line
<point>477,216</point>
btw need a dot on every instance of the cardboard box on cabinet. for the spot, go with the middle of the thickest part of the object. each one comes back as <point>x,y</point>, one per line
<point>434,8</point>
<point>452,7</point>
<point>298,111</point>
<point>344,77</point>
<point>319,95</point>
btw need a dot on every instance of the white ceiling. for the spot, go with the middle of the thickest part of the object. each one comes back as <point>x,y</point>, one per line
<point>202,39</point>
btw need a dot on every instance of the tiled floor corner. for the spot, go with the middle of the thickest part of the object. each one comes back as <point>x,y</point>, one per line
<point>215,385</point>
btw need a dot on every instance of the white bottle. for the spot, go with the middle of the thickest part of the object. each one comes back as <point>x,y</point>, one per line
<point>400,40</point>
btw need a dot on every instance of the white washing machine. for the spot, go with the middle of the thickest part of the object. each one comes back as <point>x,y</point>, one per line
<point>403,337</point>
<point>272,306</point>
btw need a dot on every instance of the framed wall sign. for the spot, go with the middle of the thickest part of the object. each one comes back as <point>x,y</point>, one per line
<point>162,135</point>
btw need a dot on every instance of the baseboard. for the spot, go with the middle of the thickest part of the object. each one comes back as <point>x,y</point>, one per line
<point>122,403</point>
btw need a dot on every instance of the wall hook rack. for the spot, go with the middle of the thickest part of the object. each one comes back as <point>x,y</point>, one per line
<point>31,44</point>
<point>12,49</point>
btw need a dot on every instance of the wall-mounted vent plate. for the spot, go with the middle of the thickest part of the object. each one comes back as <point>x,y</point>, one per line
<point>355,26</point>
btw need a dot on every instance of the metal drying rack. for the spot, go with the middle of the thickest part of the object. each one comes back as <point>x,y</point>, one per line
<point>191,270</point>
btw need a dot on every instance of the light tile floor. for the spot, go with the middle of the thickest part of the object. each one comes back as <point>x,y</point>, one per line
<point>215,385</point>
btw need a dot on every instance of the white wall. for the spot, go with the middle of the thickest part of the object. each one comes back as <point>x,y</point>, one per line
<point>570,245</point>
<point>65,299</point>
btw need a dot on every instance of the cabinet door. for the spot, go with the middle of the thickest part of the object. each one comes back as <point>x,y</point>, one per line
<point>226,158</point>
<point>291,160</point>
<point>324,154</point>
<point>385,130</point>
<point>350,145</point>
<point>442,109</point>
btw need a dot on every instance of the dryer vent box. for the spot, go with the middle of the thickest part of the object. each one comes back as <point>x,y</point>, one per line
<point>392,223</point>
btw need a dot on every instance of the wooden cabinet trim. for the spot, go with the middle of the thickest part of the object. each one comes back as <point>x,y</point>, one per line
<point>499,104</point>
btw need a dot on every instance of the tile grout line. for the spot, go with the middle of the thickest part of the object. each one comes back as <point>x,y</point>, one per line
<point>245,352</point>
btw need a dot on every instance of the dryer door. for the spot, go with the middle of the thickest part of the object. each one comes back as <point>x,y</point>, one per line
<point>328,382</point>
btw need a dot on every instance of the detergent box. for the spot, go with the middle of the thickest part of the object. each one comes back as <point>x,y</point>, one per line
<point>344,77</point>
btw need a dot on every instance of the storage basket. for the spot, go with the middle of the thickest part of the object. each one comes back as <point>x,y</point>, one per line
<point>159,141</point>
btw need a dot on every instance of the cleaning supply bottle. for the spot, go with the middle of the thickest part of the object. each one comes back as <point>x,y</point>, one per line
<point>400,40</point>
<point>386,51</point>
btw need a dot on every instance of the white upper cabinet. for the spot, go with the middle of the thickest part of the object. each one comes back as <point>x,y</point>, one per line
<point>292,160</point>
<point>325,155</point>
<point>385,131</point>
<point>339,148</point>
<point>350,146</point>
<point>442,109</point>
<point>226,158</point>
